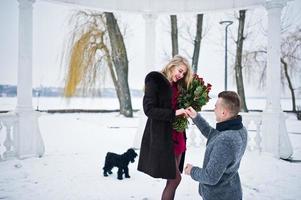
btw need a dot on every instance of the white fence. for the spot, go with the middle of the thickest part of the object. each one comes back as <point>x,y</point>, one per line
<point>252,121</point>
<point>8,131</point>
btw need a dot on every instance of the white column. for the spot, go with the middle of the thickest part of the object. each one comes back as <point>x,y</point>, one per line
<point>275,137</point>
<point>28,138</point>
<point>273,59</point>
<point>149,58</point>
<point>150,42</point>
<point>24,90</point>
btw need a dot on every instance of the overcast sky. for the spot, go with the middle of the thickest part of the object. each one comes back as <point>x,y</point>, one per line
<point>50,32</point>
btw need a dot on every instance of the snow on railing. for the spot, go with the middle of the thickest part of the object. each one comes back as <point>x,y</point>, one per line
<point>8,131</point>
<point>252,122</point>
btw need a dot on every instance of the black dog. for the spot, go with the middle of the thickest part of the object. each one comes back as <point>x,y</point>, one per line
<point>121,161</point>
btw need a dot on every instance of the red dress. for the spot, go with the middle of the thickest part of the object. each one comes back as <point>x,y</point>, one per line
<point>177,137</point>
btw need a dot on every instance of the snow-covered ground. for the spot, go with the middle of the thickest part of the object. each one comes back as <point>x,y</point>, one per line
<point>76,145</point>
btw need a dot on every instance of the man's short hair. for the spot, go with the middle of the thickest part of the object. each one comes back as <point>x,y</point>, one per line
<point>231,100</point>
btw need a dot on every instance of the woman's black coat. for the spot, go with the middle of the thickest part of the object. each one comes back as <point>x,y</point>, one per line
<point>156,154</point>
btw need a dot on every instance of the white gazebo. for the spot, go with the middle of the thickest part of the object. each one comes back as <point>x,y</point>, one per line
<point>27,141</point>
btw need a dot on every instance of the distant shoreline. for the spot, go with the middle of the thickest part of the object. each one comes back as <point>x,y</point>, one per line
<point>107,104</point>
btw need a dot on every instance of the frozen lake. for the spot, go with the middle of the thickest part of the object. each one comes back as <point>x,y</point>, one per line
<point>48,103</point>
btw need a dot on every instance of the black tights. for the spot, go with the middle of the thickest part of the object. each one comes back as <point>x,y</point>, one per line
<point>172,184</point>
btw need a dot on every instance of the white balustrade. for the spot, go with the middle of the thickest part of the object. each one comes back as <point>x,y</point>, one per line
<point>8,131</point>
<point>252,122</point>
<point>192,136</point>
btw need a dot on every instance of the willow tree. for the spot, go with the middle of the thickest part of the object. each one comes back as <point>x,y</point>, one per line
<point>90,49</point>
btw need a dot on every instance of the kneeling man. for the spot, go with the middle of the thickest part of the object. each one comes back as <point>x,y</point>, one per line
<point>218,178</point>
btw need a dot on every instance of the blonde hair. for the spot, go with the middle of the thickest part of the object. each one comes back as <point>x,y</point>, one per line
<point>178,60</point>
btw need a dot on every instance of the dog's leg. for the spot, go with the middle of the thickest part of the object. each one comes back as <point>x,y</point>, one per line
<point>126,172</point>
<point>107,168</point>
<point>119,173</point>
<point>104,172</point>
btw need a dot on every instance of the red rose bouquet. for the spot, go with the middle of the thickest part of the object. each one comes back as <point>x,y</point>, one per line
<point>195,96</point>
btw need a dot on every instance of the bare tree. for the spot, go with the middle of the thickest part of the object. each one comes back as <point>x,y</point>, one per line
<point>238,59</point>
<point>121,64</point>
<point>89,48</point>
<point>290,85</point>
<point>197,42</point>
<point>290,61</point>
<point>174,35</point>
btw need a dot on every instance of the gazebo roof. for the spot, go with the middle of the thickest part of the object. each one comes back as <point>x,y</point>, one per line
<point>164,6</point>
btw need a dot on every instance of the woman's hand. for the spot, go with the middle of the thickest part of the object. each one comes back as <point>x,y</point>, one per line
<point>181,111</point>
<point>191,112</point>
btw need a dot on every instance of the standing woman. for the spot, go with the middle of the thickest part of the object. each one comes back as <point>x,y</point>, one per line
<point>163,148</point>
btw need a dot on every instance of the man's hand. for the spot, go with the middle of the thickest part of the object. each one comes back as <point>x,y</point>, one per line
<point>191,112</point>
<point>187,169</point>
